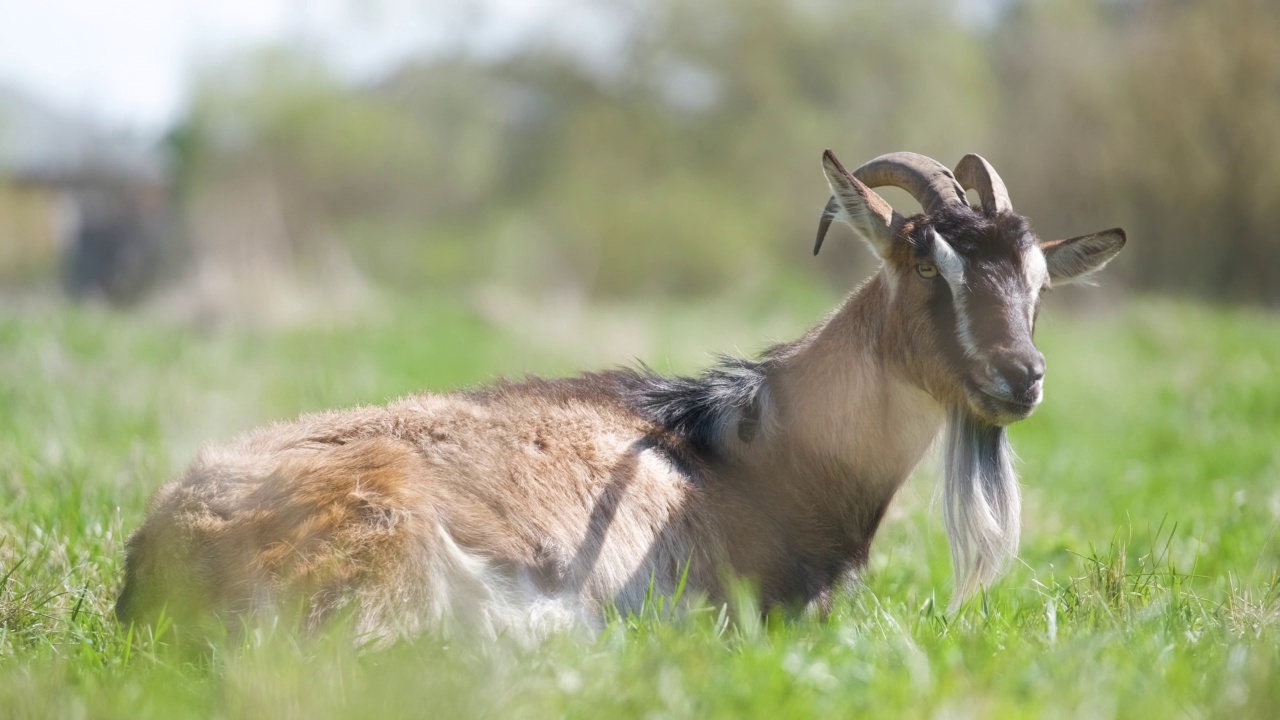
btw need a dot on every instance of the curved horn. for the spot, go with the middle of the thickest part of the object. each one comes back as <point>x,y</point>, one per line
<point>975,173</point>
<point>928,181</point>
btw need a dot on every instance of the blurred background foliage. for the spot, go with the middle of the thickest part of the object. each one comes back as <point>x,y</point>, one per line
<point>675,149</point>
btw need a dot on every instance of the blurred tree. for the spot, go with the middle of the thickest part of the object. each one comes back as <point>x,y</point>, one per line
<point>675,149</point>
<point>1161,114</point>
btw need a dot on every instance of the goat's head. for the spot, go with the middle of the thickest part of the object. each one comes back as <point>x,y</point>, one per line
<point>966,281</point>
<point>965,287</point>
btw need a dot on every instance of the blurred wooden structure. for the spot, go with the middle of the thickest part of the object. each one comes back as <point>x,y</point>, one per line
<point>77,203</point>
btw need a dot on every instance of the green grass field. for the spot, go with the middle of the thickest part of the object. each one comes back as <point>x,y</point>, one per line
<point>1147,586</point>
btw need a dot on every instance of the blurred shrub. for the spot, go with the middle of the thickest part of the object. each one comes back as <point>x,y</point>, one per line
<point>683,157</point>
<point>1161,116</point>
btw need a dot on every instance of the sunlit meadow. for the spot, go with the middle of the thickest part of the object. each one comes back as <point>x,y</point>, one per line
<point>1146,586</point>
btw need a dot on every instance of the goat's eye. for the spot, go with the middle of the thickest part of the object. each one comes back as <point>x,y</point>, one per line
<point>927,270</point>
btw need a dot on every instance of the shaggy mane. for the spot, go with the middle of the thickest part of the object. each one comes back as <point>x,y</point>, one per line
<point>699,409</point>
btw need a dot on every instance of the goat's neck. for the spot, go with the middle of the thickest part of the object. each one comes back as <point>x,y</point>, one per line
<point>843,410</point>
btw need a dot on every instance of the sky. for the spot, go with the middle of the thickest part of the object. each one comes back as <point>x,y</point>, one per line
<point>127,62</point>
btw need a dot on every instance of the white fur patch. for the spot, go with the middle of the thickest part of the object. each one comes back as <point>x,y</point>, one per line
<point>470,596</point>
<point>949,263</point>
<point>1035,268</point>
<point>951,266</point>
<point>1036,271</point>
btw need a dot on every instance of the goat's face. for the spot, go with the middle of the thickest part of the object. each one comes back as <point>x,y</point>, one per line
<point>969,287</point>
<point>965,282</point>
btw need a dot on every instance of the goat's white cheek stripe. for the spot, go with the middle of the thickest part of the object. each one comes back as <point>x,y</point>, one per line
<point>952,268</point>
<point>963,326</point>
<point>1037,271</point>
<point>1037,274</point>
<point>1035,268</point>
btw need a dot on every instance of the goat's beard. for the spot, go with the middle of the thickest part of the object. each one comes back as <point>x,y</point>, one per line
<point>982,506</point>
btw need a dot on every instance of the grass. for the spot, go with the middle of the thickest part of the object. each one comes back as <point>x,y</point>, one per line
<point>1147,585</point>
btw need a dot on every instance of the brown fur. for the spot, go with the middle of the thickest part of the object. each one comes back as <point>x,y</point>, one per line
<point>553,486</point>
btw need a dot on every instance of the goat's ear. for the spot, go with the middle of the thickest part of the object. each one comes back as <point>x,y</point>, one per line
<point>1075,259</point>
<point>856,205</point>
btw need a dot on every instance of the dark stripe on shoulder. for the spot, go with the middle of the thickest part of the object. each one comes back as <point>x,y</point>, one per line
<point>698,409</point>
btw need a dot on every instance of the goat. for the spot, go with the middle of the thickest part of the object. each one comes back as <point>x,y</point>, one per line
<point>528,506</point>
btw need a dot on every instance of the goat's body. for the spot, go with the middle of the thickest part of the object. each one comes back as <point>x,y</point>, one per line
<point>531,506</point>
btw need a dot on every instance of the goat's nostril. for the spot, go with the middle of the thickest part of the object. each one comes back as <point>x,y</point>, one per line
<point>1035,370</point>
<point>1021,375</point>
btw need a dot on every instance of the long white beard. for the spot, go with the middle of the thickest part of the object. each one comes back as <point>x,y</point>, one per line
<point>982,505</point>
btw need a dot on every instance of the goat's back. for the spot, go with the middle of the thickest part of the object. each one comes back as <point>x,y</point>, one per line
<point>518,509</point>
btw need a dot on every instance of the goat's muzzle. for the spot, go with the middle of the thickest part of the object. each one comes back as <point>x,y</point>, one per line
<point>1009,388</point>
